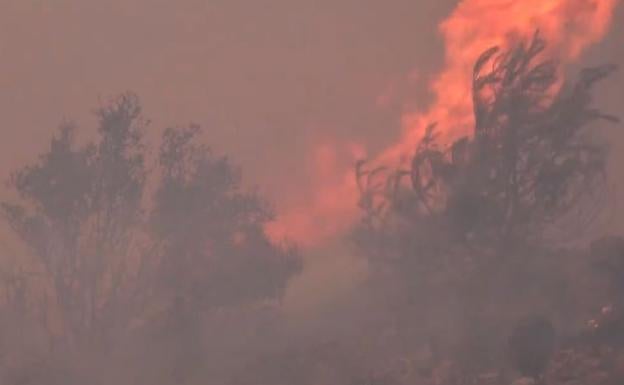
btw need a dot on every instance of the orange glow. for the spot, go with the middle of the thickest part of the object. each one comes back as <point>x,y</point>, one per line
<point>329,207</point>
<point>569,26</point>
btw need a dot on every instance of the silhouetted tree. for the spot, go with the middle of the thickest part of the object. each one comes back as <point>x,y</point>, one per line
<point>470,228</point>
<point>79,213</point>
<point>106,256</point>
<point>530,162</point>
<point>213,248</point>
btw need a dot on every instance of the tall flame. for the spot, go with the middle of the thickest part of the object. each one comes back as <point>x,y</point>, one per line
<point>569,26</point>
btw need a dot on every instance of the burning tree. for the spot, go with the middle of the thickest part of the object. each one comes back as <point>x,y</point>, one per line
<point>467,226</point>
<point>532,159</point>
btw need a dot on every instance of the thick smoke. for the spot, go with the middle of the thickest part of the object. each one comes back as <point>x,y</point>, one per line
<point>465,249</point>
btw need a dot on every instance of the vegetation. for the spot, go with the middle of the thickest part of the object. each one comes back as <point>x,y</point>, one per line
<point>157,270</point>
<point>477,232</point>
<point>107,255</point>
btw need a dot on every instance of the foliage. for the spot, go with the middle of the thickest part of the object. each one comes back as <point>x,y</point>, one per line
<point>80,211</point>
<point>212,244</point>
<point>530,162</point>
<point>472,230</point>
<point>124,251</point>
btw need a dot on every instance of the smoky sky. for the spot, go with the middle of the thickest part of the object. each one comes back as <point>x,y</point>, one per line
<point>265,79</point>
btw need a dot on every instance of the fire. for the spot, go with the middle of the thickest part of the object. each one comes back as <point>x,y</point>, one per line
<point>329,208</point>
<point>569,26</point>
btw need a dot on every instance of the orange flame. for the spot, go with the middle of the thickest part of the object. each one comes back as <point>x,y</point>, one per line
<point>330,207</point>
<point>569,26</point>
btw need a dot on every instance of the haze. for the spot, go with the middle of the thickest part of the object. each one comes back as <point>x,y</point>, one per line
<point>271,83</point>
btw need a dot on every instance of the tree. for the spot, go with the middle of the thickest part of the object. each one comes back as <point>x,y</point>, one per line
<point>212,245</point>
<point>531,160</point>
<point>79,213</point>
<point>211,250</point>
<point>105,254</point>
<point>466,226</point>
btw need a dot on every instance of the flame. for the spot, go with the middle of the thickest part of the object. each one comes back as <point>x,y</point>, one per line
<point>569,27</point>
<point>330,207</point>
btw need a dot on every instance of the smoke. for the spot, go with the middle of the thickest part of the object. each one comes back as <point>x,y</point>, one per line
<point>569,26</point>
<point>317,206</point>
